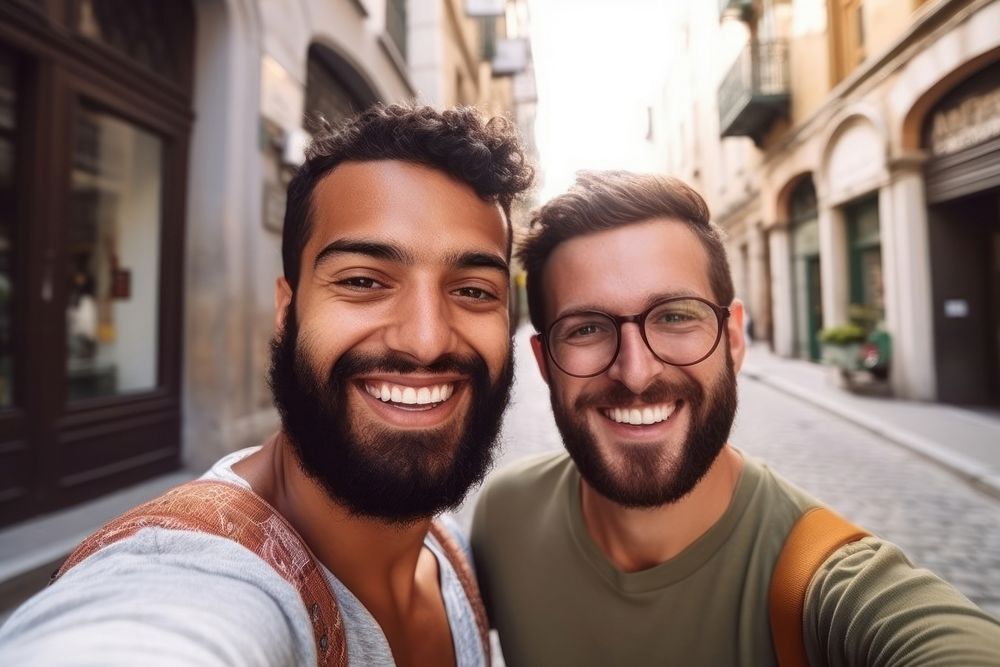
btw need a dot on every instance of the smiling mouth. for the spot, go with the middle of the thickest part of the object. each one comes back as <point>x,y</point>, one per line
<point>410,398</point>
<point>644,416</point>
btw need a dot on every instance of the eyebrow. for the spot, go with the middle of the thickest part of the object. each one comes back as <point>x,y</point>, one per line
<point>393,253</point>
<point>375,249</point>
<point>478,260</point>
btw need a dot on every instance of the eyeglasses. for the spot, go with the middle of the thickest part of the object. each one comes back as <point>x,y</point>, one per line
<point>680,331</point>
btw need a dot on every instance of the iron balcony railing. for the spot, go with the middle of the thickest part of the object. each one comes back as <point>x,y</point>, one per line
<point>755,90</point>
<point>395,24</point>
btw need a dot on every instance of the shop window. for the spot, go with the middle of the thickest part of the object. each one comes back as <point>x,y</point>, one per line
<point>867,290</point>
<point>95,115</point>
<point>112,311</point>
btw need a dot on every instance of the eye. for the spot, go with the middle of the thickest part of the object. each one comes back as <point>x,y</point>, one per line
<point>360,283</point>
<point>581,332</point>
<point>676,317</point>
<point>584,330</point>
<point>475,294</point>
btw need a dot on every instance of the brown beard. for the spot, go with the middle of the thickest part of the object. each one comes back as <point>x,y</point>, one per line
<point>378,472</point>
<point>642,476</point>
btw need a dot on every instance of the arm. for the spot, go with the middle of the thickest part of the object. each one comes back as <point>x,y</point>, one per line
<point>867,605</point>
<point>162,597</point>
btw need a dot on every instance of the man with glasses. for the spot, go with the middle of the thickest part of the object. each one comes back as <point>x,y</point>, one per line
<point>654,540</point>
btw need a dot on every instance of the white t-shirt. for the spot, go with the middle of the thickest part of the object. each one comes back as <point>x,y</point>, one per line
<point>175,597</point>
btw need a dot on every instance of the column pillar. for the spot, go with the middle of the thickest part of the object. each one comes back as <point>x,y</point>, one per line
<point>906,268</point>
<point>781,292</point>
<point>760,288</point>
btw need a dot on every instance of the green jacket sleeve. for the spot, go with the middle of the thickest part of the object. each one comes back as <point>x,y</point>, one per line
<point>867,605</point>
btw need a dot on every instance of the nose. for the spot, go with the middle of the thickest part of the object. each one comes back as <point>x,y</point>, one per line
<point>635,367</point>
<point>422,326</point>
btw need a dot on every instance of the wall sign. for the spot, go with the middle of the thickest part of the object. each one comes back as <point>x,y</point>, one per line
<point>966,116</point>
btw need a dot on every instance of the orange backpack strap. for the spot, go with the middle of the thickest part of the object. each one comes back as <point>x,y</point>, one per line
<point>235,513</point>
<point>815,536</point>
<point>460,563</point>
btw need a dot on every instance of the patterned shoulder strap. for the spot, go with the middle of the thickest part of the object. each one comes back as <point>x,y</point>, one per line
<point>460,563</point>
<point>814,537</point>
<point>230,511</point>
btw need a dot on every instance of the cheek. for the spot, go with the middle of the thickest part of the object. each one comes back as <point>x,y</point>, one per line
<point>566,391</point>
<point>489,336</point>
<point>325,339</point>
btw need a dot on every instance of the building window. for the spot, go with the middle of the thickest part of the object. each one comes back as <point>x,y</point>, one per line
<point>847,35</point>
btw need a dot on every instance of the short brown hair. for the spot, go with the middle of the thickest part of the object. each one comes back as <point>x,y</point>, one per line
<point>602,200</point>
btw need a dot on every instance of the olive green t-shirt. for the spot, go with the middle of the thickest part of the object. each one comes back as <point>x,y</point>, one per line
<point>555,599</point>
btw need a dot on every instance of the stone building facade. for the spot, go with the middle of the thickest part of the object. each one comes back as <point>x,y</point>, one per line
<point>850,150</point>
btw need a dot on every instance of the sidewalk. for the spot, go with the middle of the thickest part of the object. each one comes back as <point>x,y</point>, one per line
<point>965,441</point>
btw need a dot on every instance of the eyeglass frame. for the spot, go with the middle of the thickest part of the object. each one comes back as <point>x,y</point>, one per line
<point>722,314</point>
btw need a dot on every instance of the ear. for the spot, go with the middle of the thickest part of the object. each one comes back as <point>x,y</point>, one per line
<point>536,347</point>
<point>282,297</point>
<point>735,331</point>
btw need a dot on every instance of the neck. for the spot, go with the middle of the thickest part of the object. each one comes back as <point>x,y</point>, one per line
<point>379,567</point>
<point>638,539</point>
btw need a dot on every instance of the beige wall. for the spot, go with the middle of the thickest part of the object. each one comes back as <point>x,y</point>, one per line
<point>885,21</point>
<point>444,52</point>
<point>809,57</point>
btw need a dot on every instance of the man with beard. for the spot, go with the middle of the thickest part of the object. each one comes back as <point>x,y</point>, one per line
<point>391,369</point>
<point>654,540</point>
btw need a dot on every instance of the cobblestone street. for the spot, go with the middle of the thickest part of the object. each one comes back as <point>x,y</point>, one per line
<point>939,520</point>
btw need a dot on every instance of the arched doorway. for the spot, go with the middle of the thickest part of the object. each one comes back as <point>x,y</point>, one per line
<point>961,132</point>
<point>95,116</point>
<point>334,88</point>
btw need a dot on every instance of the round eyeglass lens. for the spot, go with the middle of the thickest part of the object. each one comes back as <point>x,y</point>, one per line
<point>584,343</point>
<point>682,331</point>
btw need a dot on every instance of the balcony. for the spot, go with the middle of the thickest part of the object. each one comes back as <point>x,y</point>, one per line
<point>755,91</point>
<point>742,9</point>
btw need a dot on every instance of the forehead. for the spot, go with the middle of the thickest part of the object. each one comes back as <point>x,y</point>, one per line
<point>417,207</point>
<point>618,270</point>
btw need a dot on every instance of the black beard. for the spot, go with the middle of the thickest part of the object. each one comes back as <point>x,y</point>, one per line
<point>398,477</point>
<point>640,476</point>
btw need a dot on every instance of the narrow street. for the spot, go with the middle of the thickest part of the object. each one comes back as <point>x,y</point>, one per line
<point>940,521</point>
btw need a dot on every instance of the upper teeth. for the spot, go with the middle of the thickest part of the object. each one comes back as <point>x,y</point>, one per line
<point>410,395</point>
<point>651,414</point>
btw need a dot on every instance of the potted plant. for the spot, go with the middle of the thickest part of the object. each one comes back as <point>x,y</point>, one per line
<point>841,345</point>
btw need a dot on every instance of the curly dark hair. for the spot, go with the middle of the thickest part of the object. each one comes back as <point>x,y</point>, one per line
<point>485,154</point>
<point>601,200</point>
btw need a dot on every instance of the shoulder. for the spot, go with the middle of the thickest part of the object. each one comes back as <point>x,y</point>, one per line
<point>532,473</point>
<point>524,496</point>
<point>868,599</point>
<point>775,490</point>
<point>765,507</point>
<point>187,597</point>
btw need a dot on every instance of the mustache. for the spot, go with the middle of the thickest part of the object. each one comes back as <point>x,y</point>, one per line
<point>353,363</point>
<point>620,396</point>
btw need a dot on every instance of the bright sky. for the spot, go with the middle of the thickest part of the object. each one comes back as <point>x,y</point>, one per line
<point>598,65</point>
